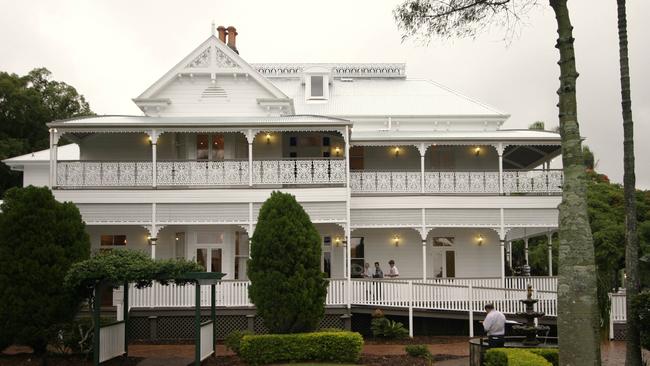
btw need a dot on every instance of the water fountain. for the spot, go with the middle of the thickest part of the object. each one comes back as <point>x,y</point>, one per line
<point>527,334</point>
<point>530,329</point>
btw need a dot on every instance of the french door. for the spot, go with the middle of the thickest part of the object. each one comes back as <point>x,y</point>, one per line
<point>210,258</point>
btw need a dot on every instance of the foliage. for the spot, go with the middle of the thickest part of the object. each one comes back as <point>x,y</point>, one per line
<point>537,125</point>
<point>418,350</point>
<point>588,158</point>
<point>551,355</point>
<point>515,357</point>
<point>41,239</point>
<point>26,104</point>
<point>119,266</point>
<point>286,254</point>
<point>642,303</point>
<point>386,328</point>
<point>233,340</point>
<point>318,346</point>
<point>76,336</point>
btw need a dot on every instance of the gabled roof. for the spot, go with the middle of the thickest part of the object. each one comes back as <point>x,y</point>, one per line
<point>211,57</point>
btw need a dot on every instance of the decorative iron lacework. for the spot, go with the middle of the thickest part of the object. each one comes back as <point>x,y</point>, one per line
<point>383,70</point>
<point>202,60</point>
<point>535,181</point>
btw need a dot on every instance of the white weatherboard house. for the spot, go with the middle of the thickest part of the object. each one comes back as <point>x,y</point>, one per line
<point>386,166</point>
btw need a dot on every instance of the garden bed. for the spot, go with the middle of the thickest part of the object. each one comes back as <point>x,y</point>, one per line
<point>24,359</point>
<point>366,360</point>
<point>416,340</point>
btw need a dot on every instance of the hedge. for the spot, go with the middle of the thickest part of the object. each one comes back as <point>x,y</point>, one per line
<point>317,346</point>
<point>519,357</point>
<point>551,355</point>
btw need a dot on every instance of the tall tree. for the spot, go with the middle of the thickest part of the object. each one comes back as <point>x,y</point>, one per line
<point>26,104</point>
<point>578,318</point>
<point>632,286</point>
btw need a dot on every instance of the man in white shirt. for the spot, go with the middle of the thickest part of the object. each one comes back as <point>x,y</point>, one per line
<point>495,326</point>
<point>393,272</point>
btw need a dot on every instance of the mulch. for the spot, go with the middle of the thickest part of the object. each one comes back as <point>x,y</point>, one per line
<point>63,360</point>
<point>417,340</point>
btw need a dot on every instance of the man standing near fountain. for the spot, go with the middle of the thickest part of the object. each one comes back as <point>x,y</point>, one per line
<point>495,326</point>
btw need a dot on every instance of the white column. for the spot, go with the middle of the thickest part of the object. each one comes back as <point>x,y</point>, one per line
<point>54,151</point>
<point>250,138</point>
<point>423,152</point>
<point>153,136</point>
<point>154,231</point>
<point>502,254</point>
<point>470,303</point>
<point>500,152</point>
<point>52,179</point>
<point>423,236</point>
<point>550,254</point>
<point>250,227</point>
<point>348,229</point>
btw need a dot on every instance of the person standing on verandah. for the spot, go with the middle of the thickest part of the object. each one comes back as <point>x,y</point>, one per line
<point>393,272</point>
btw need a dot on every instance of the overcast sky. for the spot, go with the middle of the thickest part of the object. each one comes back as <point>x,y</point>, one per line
<point>113,50</point>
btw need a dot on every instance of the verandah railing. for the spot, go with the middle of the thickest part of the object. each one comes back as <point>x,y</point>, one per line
<point>200,173</point>
<point>514,181</point>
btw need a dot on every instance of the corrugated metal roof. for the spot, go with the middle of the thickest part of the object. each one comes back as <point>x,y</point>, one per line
<point>65,152</point>
<point>202,121</point>
<point>497,135</point>
<point>386,97</point>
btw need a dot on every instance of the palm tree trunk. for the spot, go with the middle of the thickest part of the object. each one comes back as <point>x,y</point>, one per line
<point>578,315</point>
<point>632,333</point>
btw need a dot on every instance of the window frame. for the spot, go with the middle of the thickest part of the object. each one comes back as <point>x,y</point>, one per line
<point>308,92</point>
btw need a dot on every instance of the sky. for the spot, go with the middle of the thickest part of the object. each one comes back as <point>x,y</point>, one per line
<point>111,51</point>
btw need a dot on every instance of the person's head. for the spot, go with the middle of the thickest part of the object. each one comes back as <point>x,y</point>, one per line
<point>376,264</point>
<point>367,265</point>
<point>391,263</point>
<point>489,307</point>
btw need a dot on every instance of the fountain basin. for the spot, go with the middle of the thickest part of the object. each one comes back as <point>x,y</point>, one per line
<point>478,346</point>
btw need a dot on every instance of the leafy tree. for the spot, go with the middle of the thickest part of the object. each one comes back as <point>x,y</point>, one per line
<point>578,319</point>
<point>537,125</point>
<point>41,239</point>
<point>632,287</point>
<point>26,104</point>
<point>588,158</point>
<point>287,285</point>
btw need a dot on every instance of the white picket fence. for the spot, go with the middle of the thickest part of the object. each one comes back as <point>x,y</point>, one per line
<point>112,341</point>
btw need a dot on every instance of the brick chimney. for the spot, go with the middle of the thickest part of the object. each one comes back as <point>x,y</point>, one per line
<point>222,33</point>
<point>232,38</point>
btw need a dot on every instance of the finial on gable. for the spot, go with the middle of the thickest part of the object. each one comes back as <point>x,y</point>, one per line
<point>212,30</point>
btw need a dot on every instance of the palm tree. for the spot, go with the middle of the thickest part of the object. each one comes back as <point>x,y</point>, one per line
<point>632,284</point>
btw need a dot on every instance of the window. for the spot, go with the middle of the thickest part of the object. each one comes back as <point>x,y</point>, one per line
<point>293,154</point>
<point>356,158</point>
<point>326,154</point>
<point>241,255</point>
<point>180,245</point>
<point>357,257</point>
<point>210,147</point>
<point>317,86</point>
<point>326,262</point>
<point>113,240</point>
<point>293,141</point>
<point>326,141</point>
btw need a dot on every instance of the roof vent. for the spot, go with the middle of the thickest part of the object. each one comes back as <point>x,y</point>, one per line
<point>214,92</point>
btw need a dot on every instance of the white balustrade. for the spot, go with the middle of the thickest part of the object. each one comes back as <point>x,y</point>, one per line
<point>207,339</point>
<point>104,173</point>
<point>539,283</point>
<point>74,174</point>
<point>299,171</point>
<point>450,182</point>
<point>446,294</point>
<point>618,310</point>
<point>111,342</point>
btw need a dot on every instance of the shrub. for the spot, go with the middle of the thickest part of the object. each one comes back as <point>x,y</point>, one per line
<point>287,285</point>
<point>418,350</point>
<point>386,328</point>
<point>642,303</point>
<point>317,346</point>
<point>41,239</point>
<point>551,355</point>
<point>331,330</point>
<point>513,357</point>
<point>233,340</point>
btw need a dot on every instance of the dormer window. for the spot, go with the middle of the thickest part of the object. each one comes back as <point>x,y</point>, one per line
<point>317,83</point>
<point>317,87</point>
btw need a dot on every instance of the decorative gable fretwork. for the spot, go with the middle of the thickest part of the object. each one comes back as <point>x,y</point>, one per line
<point>344,70</point>
<point>222,60</point>
<point>202,60</point>
<point>212,60</point>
